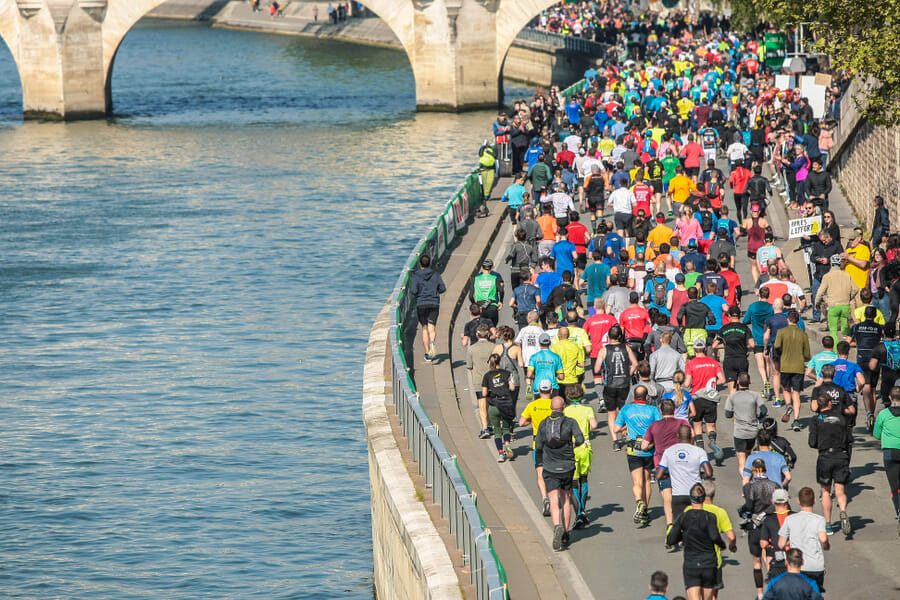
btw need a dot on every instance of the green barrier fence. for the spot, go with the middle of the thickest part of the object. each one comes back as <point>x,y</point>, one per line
<point>441,471</point>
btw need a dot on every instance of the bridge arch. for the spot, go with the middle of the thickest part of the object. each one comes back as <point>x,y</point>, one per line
<point>65,49</point>
<point>512,17</point>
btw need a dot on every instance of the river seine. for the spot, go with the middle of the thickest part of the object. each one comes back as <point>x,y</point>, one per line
<point>186,291</point>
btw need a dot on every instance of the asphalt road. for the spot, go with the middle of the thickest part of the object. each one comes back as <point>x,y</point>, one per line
<point>615,558</point>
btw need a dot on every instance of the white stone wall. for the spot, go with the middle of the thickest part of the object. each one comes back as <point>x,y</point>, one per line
<point>411,561</point>
<point>869,165</point>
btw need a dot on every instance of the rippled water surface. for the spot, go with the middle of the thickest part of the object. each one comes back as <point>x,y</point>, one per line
<point>186,292</point>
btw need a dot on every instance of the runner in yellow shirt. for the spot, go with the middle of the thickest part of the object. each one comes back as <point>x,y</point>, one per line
<point>587,422</point>
<point>680,187</point>
<point>572,356</point>
<point>536,411</point>
<point>661,234</point>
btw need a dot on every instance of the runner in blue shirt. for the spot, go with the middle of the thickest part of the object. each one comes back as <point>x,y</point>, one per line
<point>756,316</point>
<point>573,111</point>
<point>635,418</point>
<point>545,364</point>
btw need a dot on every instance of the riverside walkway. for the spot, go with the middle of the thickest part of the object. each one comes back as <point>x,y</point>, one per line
<point>612,558</point>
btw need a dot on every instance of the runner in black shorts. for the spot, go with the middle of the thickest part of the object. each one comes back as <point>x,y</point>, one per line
<point>867,334</point>
<point>426,286</point>
<point>699,531</point>
<point>736,338</point>
<point>691,172</point>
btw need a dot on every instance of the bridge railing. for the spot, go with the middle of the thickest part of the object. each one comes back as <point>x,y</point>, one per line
<point>441,471</point>
<point>569,42</point>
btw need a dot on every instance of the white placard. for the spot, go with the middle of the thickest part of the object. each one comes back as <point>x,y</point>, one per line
<point>815,93</point>
<point>803,227</point>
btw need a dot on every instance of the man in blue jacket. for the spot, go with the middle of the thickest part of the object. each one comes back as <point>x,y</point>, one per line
<point>792,585</point>
<point>426,286</point>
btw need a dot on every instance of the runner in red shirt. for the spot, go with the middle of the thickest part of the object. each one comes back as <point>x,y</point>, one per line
<point>643,194</point>
<point>635,323</point>
<point>598,327</point>
<point>702,375</point>
<point>692,153</point>
<point>578,235</point>
<point>733,280</point>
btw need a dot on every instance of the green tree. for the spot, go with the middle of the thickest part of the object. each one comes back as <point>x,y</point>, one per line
<point>860,36</point>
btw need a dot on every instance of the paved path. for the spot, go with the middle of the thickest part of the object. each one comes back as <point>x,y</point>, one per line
<point>613,558</point>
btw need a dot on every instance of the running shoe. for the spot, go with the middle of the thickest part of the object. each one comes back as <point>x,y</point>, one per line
<point>490,429</point>
<point>565,539</point>
<point>484,434</point>
<point>645,518</point>
<point>670,213</point>
<point>699,444</point>
<point>788,412</point>
<point>796,425</point>
<point>828,529</point>
<point>870,422</point>
<point>717,452</point>
<point>602,407</point>
<point>639,509</point>
<point>845,523</point>
<point>428,358</point>
<point>579,522</point>
<point>546,508</point>
<point>777,403</point>
<point>501,456</point>
<point>558,532</point>
<point>507,448</point>
<point>652,476</point>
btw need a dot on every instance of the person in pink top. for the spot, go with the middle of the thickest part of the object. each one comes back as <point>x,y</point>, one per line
<point>687,228</point>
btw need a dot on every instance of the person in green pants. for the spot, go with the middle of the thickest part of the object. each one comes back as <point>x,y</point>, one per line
<point>836,292</point>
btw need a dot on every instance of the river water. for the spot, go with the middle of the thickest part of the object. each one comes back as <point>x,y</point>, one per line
<point>186,292</point>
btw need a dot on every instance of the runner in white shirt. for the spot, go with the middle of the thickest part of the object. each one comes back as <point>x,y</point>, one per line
<point>528,337</point>
<point>683,463</point>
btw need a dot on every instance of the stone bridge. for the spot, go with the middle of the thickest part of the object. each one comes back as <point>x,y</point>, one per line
<point>65,49</point>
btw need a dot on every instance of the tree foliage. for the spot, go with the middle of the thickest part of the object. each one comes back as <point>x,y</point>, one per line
<point>862,37</point>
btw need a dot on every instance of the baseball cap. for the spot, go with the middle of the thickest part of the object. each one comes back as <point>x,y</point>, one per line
<point>781,497</point>
<point>545,385</point>
<point>487,264</point>
<point>581,151</point>
<point>699,344</point>
<point>836,259</point>
<point>692,243</point>
<point>544,340</point>
<point>679,278</point>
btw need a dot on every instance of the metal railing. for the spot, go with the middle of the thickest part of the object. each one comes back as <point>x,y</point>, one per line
<point>440,469</point>
<point>573,89</point>
<point>569,42</point>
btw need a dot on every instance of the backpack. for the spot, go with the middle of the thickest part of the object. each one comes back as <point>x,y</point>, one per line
<point>553,433</point>
<point>706,221</point>
<point>892,350</point>
<point>659,293</point>
<point>712,190</point>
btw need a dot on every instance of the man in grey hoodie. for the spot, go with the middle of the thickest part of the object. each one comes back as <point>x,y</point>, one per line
<point>426,286</point>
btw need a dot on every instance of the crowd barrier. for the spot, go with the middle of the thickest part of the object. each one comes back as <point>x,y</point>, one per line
<point>441,471</point>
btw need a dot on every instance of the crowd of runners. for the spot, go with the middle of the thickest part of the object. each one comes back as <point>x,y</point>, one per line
<point>623,285</point>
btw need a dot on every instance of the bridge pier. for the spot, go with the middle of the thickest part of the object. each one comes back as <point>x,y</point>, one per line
<point>59,53</point>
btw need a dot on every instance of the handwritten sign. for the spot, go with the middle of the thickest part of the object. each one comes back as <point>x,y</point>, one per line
<point>804,227</point>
